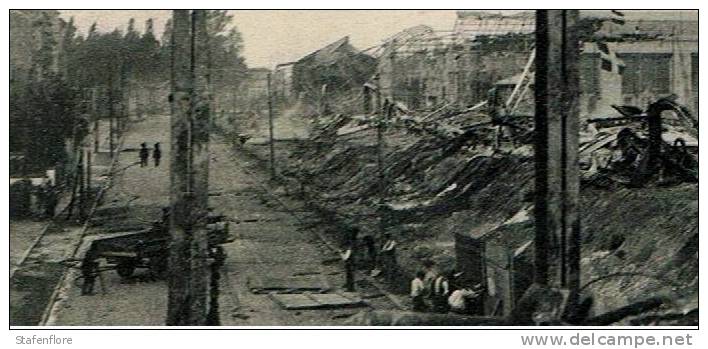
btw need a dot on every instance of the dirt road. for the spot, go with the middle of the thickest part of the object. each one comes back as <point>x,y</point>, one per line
<point>275,238</point>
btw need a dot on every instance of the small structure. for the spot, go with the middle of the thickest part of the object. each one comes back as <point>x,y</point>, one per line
<point>282,83</point>
<point>331,70</point>
<point>501,260</point>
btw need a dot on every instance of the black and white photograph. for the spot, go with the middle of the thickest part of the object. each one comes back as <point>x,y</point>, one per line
<point>380,168</point>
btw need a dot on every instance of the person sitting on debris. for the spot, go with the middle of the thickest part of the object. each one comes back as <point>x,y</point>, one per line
<point>157,154</point>
<point>418,291</point>
<point>144,154</point>
<point>460,301</point>
<point>439,294</point>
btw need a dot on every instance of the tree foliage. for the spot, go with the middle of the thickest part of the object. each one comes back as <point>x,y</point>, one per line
<point>55,68</point>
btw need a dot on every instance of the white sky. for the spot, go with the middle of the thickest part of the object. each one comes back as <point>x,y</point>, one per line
<point>279,36</point>
<point>272,37</point>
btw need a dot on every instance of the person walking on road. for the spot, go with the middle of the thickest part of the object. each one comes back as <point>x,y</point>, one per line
<point>144,155</point>
<point>157,154</point>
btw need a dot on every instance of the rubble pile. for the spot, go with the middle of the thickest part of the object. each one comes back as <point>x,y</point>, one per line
<point>479,180</point>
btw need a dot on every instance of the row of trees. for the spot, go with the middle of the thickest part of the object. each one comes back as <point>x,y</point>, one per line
<point>56,72</point>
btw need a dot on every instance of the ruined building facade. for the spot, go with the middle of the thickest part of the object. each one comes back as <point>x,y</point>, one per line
<point>632,63</point>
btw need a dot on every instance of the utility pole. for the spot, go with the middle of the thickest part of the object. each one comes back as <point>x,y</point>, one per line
<point>189,170</point>
<point>383,118</point>
<point>111,114</point>
<point>88,172</point>
<point>82,183</point>
<point>270,130</point>
<point>94,113</point>
<point>201,114</point>
<point>556,149</point>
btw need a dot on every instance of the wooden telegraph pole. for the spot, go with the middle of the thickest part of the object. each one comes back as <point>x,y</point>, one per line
<point>556,153</point>
<point>201,112</point>
<point>94,113</point>
<point>189,170</point>
<point>111,114</point>
<point>270,130</point>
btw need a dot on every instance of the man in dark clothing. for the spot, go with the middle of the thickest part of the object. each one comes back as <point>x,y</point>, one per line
<point>49,196</point>
<point>348,260</point>
<point>440,291</point>
<point>144,154</point>
<point>157,154</point>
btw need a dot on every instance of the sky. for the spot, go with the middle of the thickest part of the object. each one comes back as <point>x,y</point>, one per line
<point>273,37</point>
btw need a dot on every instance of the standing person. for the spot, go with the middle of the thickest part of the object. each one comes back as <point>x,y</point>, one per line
<point>371,251</point>
<point>50,199</point>
<point>431,273</point>
<point>440,293</point>
<point>418,291</point>
<point>157,154</point>
<point>348,260</point>
<point>144,155</point>
<point>388,256</point>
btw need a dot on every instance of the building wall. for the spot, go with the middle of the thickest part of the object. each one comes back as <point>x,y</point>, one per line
<point>461,75</point>
<point>658,68</point>
<point>283,82</point>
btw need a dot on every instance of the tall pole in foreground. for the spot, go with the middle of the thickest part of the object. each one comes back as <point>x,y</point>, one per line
<point>270,130</point>
<point>189,171</point>
<point>556,149</point>
<point>201,116</point>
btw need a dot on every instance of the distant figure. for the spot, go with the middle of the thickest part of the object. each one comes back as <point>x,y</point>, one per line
<point>440,293</point>
<point>431,273</point>
<point>157,154</point>
<point>387,256</point>
<point>50,199</point>
<point>462,301</point>
<point>371,252</point>
<point>418,291</point>
<point>144,154</point>
<point>348,260</point>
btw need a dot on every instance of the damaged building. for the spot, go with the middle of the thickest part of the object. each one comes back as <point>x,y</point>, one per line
<point>632,63</point>
<point>329,72</point>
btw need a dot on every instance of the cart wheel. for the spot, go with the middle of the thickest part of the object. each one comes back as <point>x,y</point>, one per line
<point>158,266</point>
<point>125,268</point>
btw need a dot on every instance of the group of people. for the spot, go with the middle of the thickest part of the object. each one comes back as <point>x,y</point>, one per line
<point>378,260</point>
<point>145,154</point>
<point>441,293</point>
<point>430,290</point>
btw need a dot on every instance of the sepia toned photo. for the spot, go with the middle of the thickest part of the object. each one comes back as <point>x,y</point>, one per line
<point>353,168</point>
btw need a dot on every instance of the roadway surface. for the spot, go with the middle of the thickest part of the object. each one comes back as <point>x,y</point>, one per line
<point>275,237</point>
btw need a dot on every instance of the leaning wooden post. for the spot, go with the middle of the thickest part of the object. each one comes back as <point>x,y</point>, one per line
<point>179,298</point>
<point>556,152</point>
